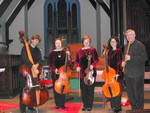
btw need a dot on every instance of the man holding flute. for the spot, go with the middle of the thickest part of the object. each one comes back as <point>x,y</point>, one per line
<point>134,64</point>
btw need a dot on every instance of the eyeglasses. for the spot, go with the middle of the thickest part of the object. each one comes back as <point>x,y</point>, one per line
<point>112,41</point>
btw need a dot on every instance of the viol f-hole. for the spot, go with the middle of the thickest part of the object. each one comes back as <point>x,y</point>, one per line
<point>89,79</point>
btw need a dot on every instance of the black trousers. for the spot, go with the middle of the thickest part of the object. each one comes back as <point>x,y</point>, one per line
<point>22,85</point>
<point>59,98</point>
<point>87,94</point>
<point>116,101</point>
<point>135,90</point>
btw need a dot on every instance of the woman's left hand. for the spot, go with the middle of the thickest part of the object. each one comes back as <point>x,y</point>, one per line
<point>91,67</point>
<point>68,52</point>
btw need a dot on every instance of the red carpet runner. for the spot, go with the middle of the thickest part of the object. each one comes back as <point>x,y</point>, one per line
<point>5,106</point>
<point>70,108</point>
<point>46,82</point>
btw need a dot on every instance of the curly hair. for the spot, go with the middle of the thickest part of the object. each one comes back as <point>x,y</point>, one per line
<point>117,40</point>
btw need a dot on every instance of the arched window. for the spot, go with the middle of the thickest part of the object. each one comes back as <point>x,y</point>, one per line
<point>74,15</point>
<point>50,15</point>
<point>61,19</point>
<point>62,14</point>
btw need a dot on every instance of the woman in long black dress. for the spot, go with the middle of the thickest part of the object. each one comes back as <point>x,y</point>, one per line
<point>55,61</point>
<point>81,65</point>
<point>114,61</point>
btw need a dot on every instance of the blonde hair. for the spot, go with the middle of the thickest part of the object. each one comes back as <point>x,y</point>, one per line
<point>130,30</point>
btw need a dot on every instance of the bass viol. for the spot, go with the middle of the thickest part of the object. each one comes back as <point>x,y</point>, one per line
<point>62,84</point>
<point>34,94</point>
<point>111,87</point>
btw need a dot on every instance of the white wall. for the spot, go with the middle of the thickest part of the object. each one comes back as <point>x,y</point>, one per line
<point>88,21</point>
<point>36,21</point>
<point>35,26</point>
<point>16,26</point>
<point>2,33</point>
<point>1,39</point>
<point>105,27</point>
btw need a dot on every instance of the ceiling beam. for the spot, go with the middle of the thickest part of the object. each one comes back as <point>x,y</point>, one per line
<point>30,3</point>
<point>11,19</point>
<point>104,6</point>
<point>93,3</point>
<point>4,5</point>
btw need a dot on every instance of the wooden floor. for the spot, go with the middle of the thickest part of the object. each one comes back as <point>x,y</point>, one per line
<point>97,107</point>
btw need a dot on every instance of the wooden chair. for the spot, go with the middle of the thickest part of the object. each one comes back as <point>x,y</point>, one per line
<point>73,49</point>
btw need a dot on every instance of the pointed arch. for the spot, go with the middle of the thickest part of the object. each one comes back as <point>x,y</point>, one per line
<point>61,19</point>
<point>74,15</point>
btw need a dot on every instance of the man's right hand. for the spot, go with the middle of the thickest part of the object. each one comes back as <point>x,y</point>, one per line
<point>123,64</point>
<point>36,71</point>
<point>35,66</point>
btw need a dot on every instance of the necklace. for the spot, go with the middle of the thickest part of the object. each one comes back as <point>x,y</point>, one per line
<point>59,54</point>
<point>86,47</point>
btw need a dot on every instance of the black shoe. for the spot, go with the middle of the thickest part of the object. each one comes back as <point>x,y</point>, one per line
<point>63,107</point>
<point>32,109</point>
<point>117,111</point>
<point>57,107</point>
<point>84,108</point>
<point>23,111</point>
<point>89,109</point>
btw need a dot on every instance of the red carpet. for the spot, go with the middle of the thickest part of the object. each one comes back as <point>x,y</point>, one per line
<point>70,108</point>
<point>6,105</point>
<point>46,82</point>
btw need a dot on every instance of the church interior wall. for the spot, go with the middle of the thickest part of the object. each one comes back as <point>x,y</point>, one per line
<point>36,25</point>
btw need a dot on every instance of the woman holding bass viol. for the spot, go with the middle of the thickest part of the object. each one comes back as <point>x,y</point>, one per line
<point>86,60</point>
<point>58,61</point>
<point>113,59</point>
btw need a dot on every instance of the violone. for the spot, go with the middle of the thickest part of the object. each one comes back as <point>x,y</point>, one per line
<point>111,87</point>
<point>62,84</point>
<point>33,94</point>
<point>89,79</point>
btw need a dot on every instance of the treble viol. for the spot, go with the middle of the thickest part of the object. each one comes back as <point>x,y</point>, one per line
<point>89,79</point>
<point>126,54</point>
